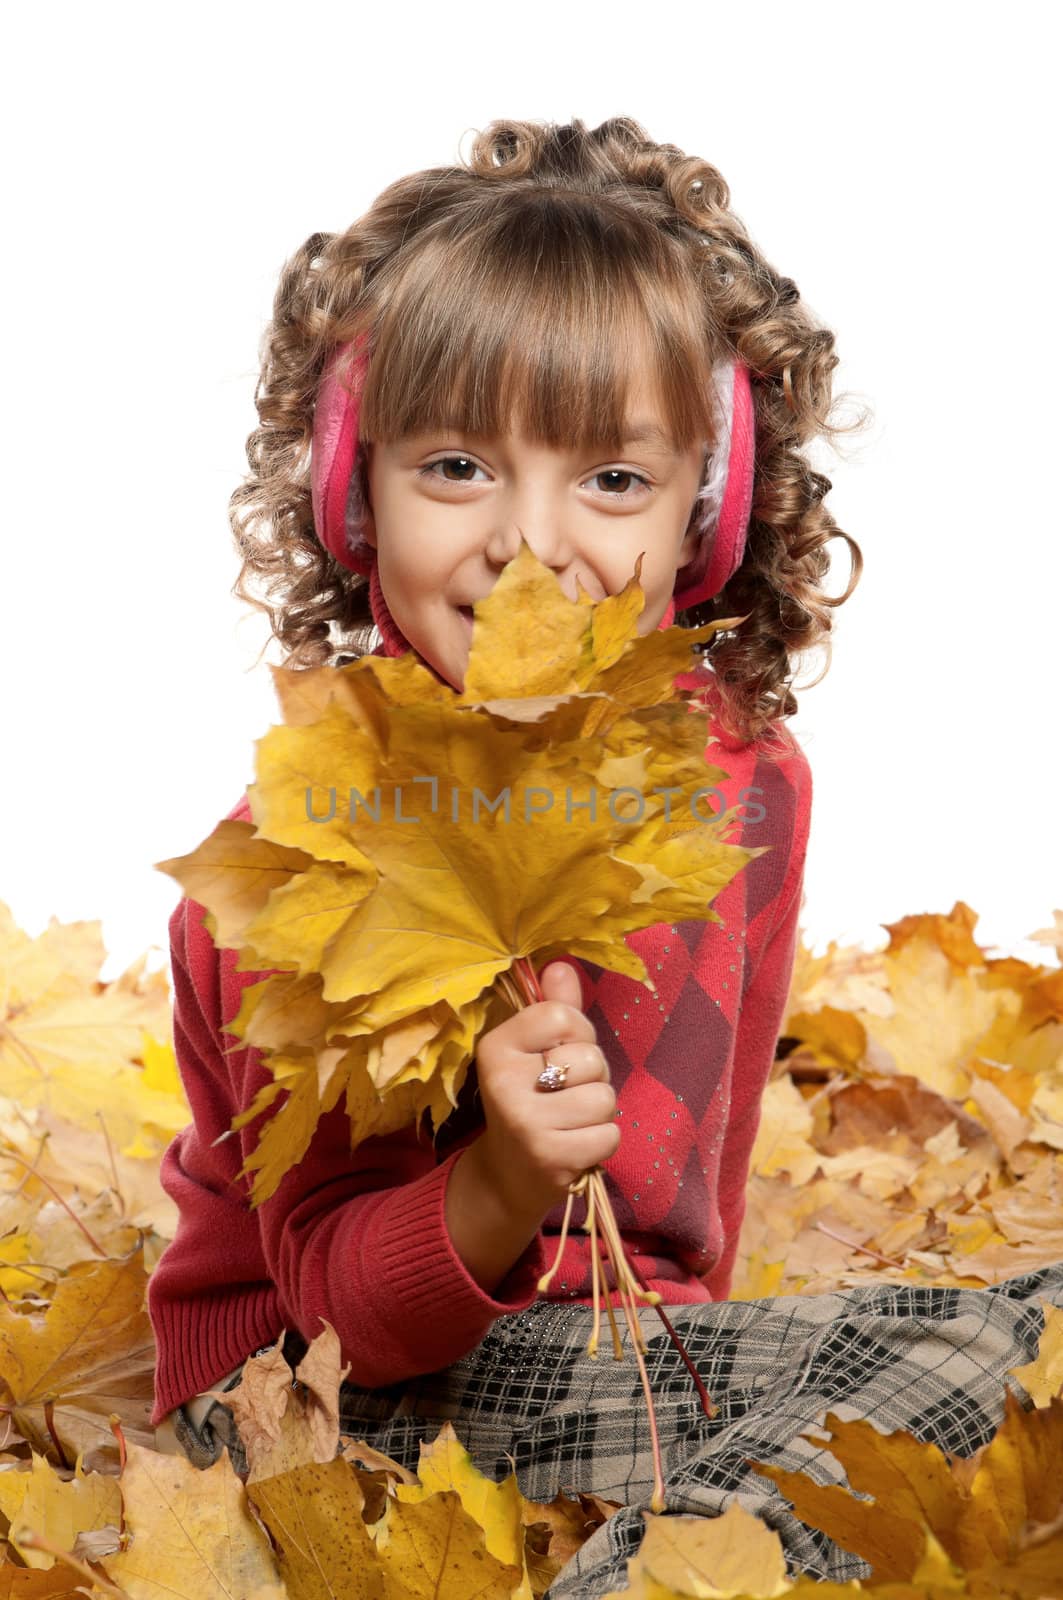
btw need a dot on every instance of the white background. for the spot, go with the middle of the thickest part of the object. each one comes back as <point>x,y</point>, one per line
<point>899,162</point>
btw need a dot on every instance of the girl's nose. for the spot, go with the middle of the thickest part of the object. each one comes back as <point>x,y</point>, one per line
<point>545,535</point>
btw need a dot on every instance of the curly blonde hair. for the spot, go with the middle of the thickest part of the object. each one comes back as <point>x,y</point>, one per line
<point>520,278</point>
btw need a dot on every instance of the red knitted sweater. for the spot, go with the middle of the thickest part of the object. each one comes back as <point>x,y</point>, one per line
<point>360,1237</point>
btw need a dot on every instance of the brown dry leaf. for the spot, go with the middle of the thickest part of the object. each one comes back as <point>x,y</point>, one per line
<point>274,1422</point>
<point>555,1529</point>
<point>283,1426</point>
<point>896,1113</point>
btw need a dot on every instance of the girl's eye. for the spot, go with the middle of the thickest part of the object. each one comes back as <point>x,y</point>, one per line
<point>622,472</point>
<point>467,463</point>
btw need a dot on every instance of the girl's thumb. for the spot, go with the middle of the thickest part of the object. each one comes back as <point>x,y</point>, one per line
<point>559,981</point>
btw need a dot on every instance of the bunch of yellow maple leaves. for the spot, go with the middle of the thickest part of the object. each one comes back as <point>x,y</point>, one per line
<point>412,857</point>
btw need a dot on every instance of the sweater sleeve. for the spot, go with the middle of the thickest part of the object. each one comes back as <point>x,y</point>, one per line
<point>359,1237</point>
<point>208,1297</point>
<point>760,1021</point>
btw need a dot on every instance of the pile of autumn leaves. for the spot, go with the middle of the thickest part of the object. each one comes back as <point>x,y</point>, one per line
<point>86,1501</point>
<point>93,1097</point>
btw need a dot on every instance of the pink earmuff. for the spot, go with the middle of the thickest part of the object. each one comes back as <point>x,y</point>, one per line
<point>723,500</point>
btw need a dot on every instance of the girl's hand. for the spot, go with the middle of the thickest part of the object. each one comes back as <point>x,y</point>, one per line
<point>536,1143</point>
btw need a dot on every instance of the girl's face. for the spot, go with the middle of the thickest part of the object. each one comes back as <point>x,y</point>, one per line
<point>448,509</point>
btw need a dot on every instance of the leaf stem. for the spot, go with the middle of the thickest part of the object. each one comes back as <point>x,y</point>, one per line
<point>596,1275</point>
<point>657,1499</point>
<point>13,1155</point>
<point>863,1249</point>
<point>548,1277</point>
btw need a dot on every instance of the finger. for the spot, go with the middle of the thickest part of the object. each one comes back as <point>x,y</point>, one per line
<point>550,1024</point>
<point>560,981</point>
<point>549,1027</point>
<point>588,1106</point>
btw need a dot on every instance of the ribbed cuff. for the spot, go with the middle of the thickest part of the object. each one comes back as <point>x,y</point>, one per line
<point>432,1304</point>
<point>197,1341</point>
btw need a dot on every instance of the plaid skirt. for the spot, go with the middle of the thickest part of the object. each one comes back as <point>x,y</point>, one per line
<point>932,1361</point>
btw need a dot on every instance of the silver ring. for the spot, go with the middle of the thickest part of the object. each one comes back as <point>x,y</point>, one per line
<point>552,1077</point>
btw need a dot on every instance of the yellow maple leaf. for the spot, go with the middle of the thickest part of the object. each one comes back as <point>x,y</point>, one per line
<point>73,1043</point>
<point>496,1507</point>
<point>60,1509</point>
<point>89,1354</point>
<point>783,1134</point>
<point>943,1013</point>
<point>192,1533</point>
<point>435,1550</point>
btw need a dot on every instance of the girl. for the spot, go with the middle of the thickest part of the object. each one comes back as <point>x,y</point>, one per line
<point>570,338</point>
